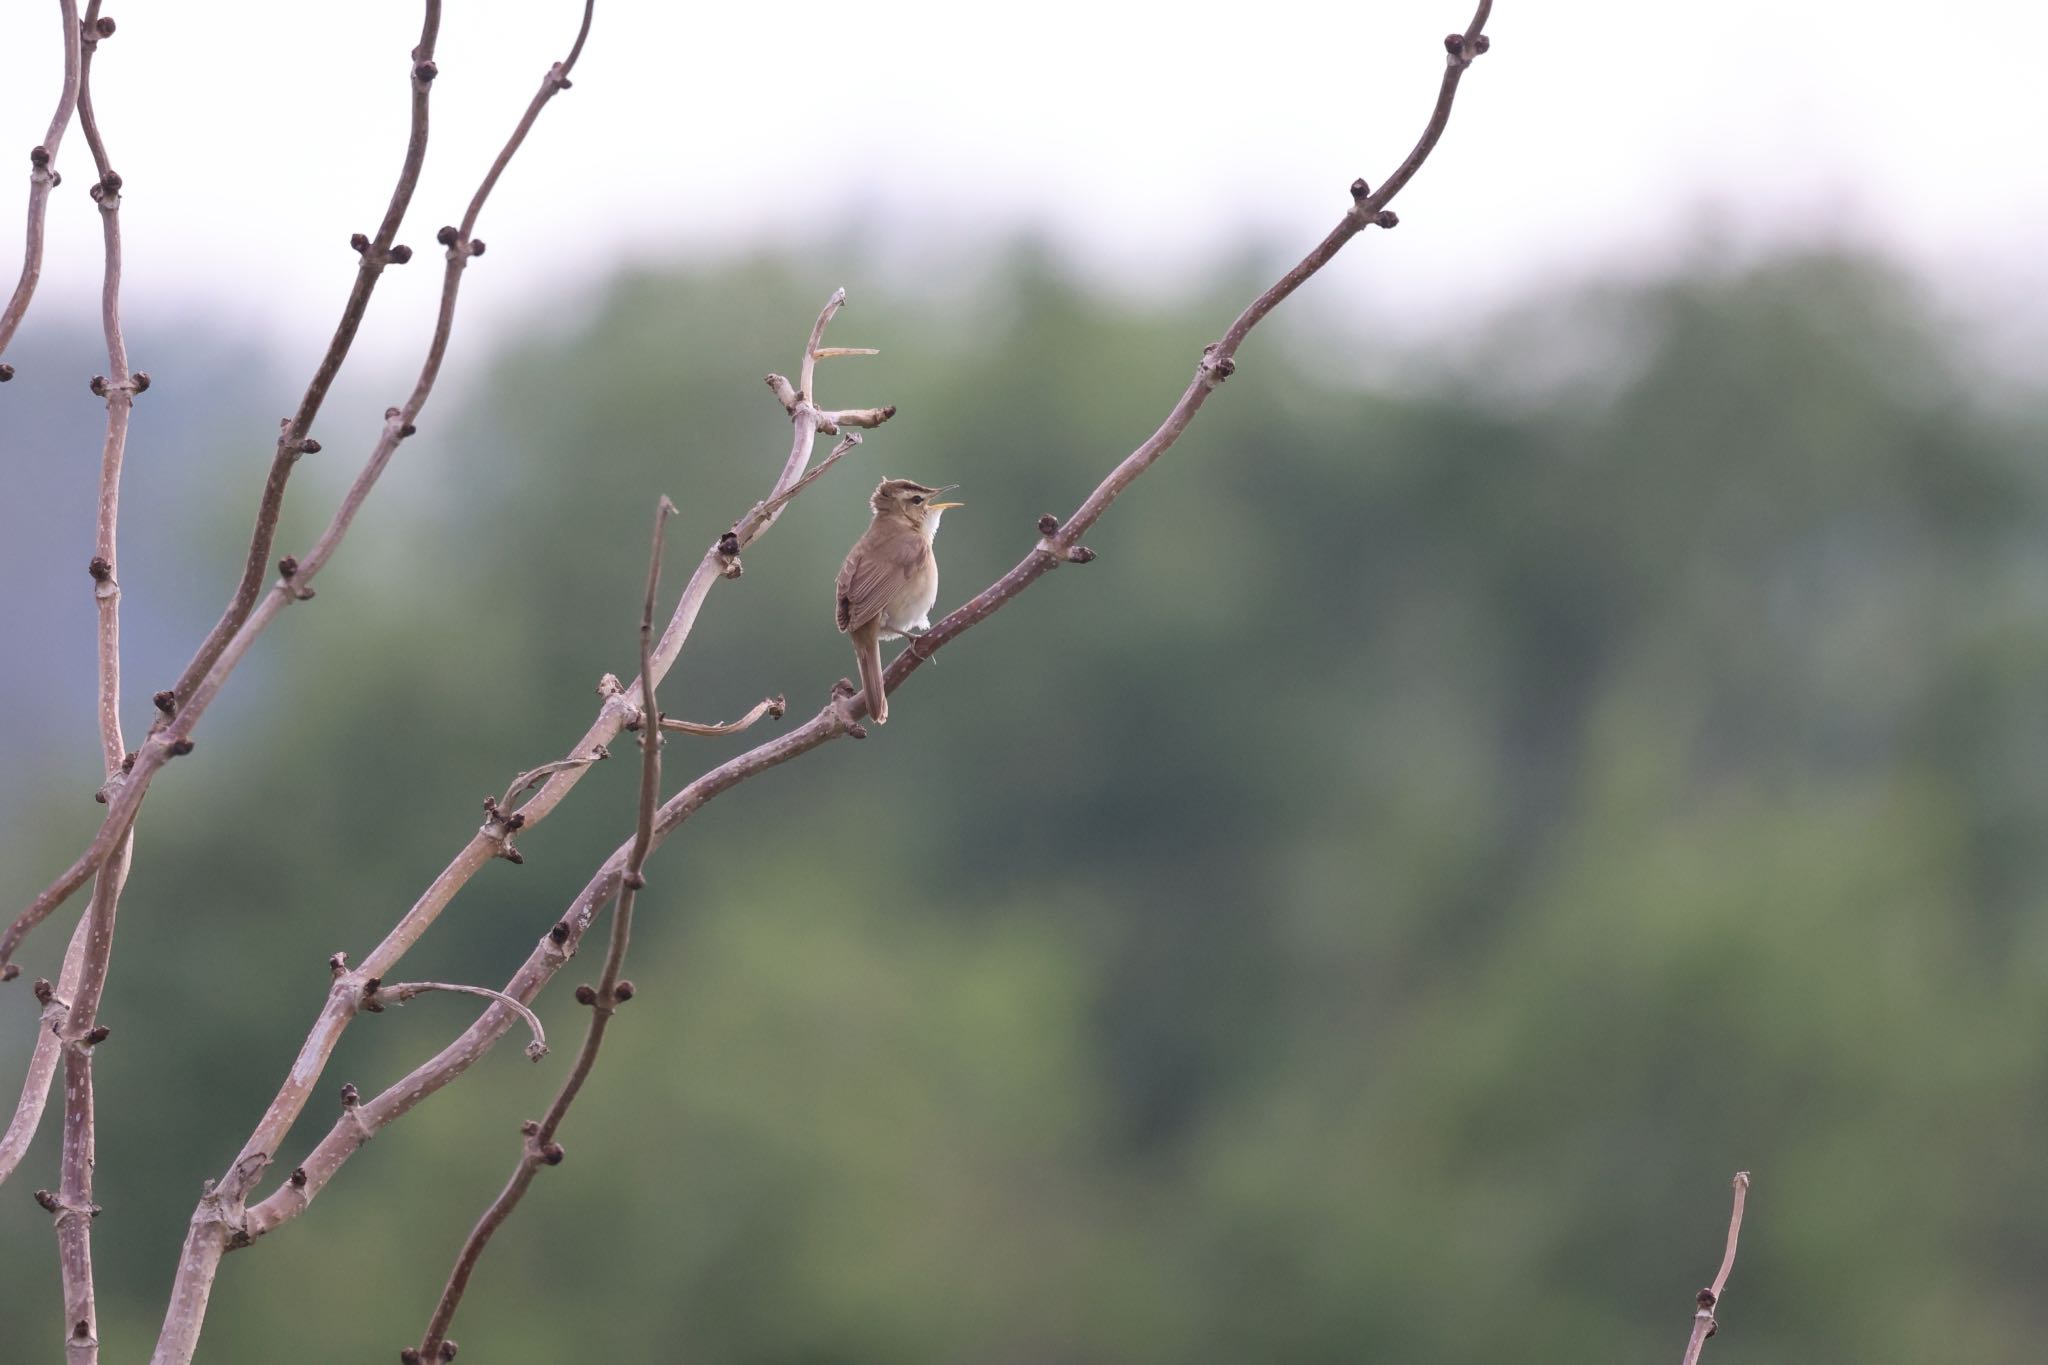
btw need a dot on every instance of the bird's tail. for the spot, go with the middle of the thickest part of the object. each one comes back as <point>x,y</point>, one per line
<point>868,651</point>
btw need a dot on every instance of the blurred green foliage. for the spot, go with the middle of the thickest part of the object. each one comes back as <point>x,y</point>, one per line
<point>1368,914</point>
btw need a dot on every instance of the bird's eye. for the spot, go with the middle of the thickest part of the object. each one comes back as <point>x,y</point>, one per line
<point>919,498</point>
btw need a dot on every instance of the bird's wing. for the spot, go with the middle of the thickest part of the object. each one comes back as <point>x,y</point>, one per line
<point>873,574</point>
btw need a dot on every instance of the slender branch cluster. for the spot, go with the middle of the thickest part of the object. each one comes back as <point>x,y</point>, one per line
<point>230,1215</point>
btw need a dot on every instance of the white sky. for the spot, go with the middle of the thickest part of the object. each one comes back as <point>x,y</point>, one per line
<point>1598,136</point>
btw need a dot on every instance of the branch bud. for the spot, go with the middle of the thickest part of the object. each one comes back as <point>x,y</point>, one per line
<point>6,373</point>
<point>560,932</point>
<point>44,991</point>
<point>622,992</point>
<point>586,994</point>
<point>552,1154</point>
<point>447,235</point>
<point>350,1096</point>
<point>47,1200</point>
<point>399,254</point>
<point>1387,218</point>
<point>98,1035</point>
<point>166,702</point>
<point>360,243</point>
<point>100,570</point>
<point>1048,525</point>
<point>105,26</point>
<point>424,72</point>
<point>1359,189</point>
<point>181,747</point>
<point>448,1350</point>
<point>39,156</point>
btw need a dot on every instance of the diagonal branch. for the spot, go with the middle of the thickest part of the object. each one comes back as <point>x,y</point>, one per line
<point>840,716</point>
<point>294,439</point>
<point>540,1148</point>
<point>42,178</point>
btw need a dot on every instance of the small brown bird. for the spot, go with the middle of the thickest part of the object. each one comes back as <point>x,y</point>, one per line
<point>891,578</point>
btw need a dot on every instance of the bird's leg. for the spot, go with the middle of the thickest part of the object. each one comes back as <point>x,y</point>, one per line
<point>910,646</point>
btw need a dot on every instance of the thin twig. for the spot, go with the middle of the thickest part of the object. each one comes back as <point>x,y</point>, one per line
<point>377,996</point>
<point>840,717</point>
<point>533,775</point>
<point>294,439</point>
<point>80,1031</point>
<point>42,1063</point>
<point>540,1148</point>
<point>773,706</point>
<point>1703,1323</point>
<point>846,443</point>
<point>42,178</point>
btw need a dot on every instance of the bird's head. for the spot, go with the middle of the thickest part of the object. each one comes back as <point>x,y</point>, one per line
<point>912,502</point>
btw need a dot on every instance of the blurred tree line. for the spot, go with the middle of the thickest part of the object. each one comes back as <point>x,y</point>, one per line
<point>1368,914</point>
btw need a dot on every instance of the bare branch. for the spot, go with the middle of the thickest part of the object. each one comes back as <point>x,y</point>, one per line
<point>80,1031</point>
<point>540,1148</point>
<point>377,995</point>
<point>840,717</point>
<point>220,1220</point>
<point>1703,1324</point>
<point>773,706</point>
<point>173,736</point>
<point>209,1230</point>
<point>42,178</point>
<point>292,443</point>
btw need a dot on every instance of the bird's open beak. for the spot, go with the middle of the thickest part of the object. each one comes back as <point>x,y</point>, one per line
<point>942,506</point>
